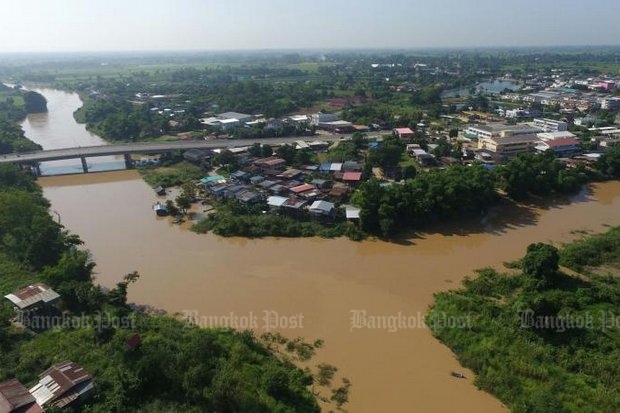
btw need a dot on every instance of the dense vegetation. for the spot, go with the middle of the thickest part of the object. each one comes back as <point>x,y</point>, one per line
<point>541,340</point>
<point>34,102</point>
<point>236,219</point>
<point>12,109</point>
<point>175,366</point>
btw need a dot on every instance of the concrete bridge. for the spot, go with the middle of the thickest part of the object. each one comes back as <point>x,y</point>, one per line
<point>127,149</point>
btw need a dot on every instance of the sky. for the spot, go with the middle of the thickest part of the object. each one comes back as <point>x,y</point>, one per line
<point>150,25</point>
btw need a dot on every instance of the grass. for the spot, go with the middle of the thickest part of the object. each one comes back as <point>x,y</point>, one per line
<point>171,175</point>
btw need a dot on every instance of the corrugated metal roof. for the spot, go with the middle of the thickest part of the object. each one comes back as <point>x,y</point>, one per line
<point>57,381</point>
<point>14,395</point>
<point>352,212</point>
<point>276,201</point>
<point>352,176</point>
<point>322,206</point>
<point>33,295</point>
<point>302,188</point>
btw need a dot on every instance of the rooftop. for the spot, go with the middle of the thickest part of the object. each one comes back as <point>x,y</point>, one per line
<point>14,395</point>
<point>562,142</point>
<point>60,381</point>
<point>516,139</point>
<point>302,188</point>
<point>352,176</point>
<point>33,295</point>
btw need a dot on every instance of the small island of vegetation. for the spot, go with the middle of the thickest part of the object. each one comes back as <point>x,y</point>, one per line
<point>547,338</point>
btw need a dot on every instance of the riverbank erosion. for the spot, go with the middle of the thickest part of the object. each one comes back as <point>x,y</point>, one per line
<point>325,280</point>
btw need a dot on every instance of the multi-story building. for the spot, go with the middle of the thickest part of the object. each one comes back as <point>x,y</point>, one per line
<point>491,130</point>
<point>551,125</point>
<point>610,103</point>
<point>509,146</point>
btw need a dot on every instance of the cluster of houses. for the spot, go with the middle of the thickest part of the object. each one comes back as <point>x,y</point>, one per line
<point>64,384</point>
<point>286,189</point>
<point>229,121</point>
<point>568,93</point>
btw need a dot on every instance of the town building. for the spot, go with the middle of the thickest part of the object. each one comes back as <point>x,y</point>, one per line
<point>322,208</point>
<point>495,129</point>
<point>610,103</point>
<point>550,136</point>
<point>551,125</point>
<point>403,133</point>
<point>317,118</point>
<point>560,147</point>
<point>509,146</point>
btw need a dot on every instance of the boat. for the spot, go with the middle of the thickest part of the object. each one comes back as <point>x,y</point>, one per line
<point>160,209</point>
<point>457,375</point>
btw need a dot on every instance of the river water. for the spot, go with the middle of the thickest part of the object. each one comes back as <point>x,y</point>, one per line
<point>57,129</point>
<point>325,280</point>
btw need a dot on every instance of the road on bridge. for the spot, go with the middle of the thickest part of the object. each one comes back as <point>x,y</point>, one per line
<point>151,147</point>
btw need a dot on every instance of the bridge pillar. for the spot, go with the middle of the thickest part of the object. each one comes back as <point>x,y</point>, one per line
<point>36,169</point>
<point>128,161</point>
<point>84,164</point>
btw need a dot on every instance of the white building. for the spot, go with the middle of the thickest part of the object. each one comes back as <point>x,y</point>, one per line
<point>320,117</point>
<point>551,125</point>
<point>501,130</point>
<point>551,136</point>
<point>610,103</point>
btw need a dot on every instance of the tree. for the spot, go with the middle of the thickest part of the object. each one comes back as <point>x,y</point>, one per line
<point>609,163</point>
<point>358,140</point>
<point>255,149</point>
<point>266,151</point>
<point>409,172</point>
<point>118,295</point>
<point>183,203</point>
<point>35,102</point>
<point>286,152</point>
<point>541,263</point>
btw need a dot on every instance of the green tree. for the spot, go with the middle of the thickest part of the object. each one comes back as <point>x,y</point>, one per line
<point>541,263</point>
<point>409,172</point>
<point>35,102</point>
<point>255,149</point>
<point>286,152</point>
<point>184,203</point>
<point>266,151</point>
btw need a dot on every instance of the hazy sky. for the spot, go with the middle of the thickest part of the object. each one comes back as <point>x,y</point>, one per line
<point>115,25</point>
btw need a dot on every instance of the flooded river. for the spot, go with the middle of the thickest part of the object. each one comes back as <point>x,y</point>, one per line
<point>325,280</point>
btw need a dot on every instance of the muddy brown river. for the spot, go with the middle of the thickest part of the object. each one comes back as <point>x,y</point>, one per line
<point>406,370</point>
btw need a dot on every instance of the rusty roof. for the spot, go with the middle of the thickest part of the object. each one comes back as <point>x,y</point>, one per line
<point>14,395</point>
<point>33,295</point>
<point>58,380</point>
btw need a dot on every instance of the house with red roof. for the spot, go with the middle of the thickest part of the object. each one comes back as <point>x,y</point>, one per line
<point>403,133</point>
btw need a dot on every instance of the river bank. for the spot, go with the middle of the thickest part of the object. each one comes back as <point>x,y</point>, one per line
<point>324,280</point>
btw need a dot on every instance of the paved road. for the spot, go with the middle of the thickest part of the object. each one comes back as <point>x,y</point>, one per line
<point>146,148</point>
